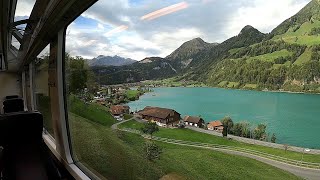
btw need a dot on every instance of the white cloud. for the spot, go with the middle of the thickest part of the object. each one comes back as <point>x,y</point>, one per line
<point>264,15</point>
<point>24,7</point>
<point>120,31</point>
<point>100,26</point>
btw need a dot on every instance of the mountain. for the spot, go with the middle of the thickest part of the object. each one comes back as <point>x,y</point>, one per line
<point>146,69</point>
<point>188,49</point>
<point>307,14</point>
<point>287,58</point>
<point>206,58</point>
<point>186,53</point>
<point>110,61</point>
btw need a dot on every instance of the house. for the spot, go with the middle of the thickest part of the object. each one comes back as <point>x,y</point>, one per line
<point>162,116</point>
<point>215,126</point>
<point>117,110</point>
<point>193,121</point>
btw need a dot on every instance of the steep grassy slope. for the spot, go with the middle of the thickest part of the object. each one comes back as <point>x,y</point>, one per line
<point>119,155</point>
<point>190,135</point>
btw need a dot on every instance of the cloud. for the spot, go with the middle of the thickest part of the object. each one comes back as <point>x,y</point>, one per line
<point>24,7</point>
<point>264,15</point>
<point>119,30</point>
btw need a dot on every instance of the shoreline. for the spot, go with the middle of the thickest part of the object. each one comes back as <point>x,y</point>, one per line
<point>272,91</point>
<point>256,142</point>
<point>217,116</point>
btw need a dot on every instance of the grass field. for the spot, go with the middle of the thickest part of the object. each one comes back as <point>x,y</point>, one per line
<point>132,94</point>
<point>301,36</point>
<point>251,86</point>
<point>305,57</point>
<point>271,56</point>
<point>127,116</point>
<point>223,83</point>
<point>91,111</point>
<point>118,155</point>
<point>101,149</point>
<point>190,135</point>
<point>302,40</point>
<point>233,84</point>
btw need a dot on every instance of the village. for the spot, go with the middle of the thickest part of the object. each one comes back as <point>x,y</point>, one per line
<point>167,118</point>
<point>116,97</point>
<point>114,94</point>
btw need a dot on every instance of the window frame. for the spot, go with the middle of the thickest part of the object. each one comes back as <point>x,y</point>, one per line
<point>70,154</point>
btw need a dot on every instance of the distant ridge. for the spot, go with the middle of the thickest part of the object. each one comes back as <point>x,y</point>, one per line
<point>110,61</point>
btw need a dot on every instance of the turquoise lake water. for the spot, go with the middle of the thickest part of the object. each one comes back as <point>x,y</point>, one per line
<point>294,118</point>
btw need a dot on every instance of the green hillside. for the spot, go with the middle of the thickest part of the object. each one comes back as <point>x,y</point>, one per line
<point>118,155</point>
<point>287,58</point>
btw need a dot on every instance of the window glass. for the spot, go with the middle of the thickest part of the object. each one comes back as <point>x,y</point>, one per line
<point>23,9</point>
<point>15,43</point>
<point>151,87</point>
<point>41,88</point>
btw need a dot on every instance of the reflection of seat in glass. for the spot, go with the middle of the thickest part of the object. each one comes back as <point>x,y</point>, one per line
<point>25,155</point>
<point>13,104</point>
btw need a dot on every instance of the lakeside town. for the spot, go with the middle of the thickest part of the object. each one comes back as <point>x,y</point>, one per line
<point>116,97</point>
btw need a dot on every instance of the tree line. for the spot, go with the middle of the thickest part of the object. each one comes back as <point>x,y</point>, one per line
<point>244,129</point>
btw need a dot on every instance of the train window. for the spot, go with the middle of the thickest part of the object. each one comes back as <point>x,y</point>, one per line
<point>141,87</point>
<point>95,145</point>
<point>41,88</point>
<point>23,9</point>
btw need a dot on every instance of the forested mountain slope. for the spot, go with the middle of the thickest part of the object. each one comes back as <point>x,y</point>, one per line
<point>287,58</point>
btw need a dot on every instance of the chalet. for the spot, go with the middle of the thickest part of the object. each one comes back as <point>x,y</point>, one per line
<point>215,126</point>
<point>162,116</point>
<point>193,121</point>
<point>117,110</point>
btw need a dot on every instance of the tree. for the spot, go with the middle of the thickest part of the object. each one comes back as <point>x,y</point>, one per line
<point>245,129</point>
<point>237,129</point>
<point>227,122</point>
<point>152,151</point>
<point>77,73</point>
<point>225,131</point>
<point>260,131</point>
<point>273,138</point>
<point>150,128</point>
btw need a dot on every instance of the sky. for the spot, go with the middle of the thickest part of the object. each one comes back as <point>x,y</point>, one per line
<point>143,28</point>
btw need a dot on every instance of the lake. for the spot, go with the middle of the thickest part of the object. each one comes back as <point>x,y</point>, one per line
<point>294,118</point>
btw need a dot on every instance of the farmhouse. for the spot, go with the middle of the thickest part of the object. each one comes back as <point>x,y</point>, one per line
<point>119,110</point>
<point>162,116</point>
<point>215,126</point>
<point>193,121</point>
